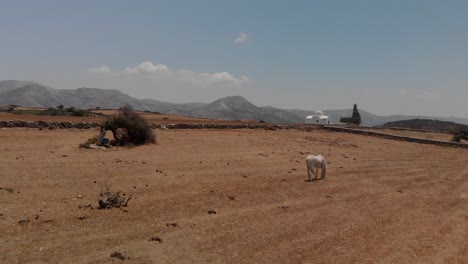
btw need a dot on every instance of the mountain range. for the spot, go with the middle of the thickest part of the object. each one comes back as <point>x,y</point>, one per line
<point>33,94</point>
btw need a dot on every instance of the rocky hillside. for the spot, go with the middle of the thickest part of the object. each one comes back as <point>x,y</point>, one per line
<point>32,94</point>
<point>427,124</point>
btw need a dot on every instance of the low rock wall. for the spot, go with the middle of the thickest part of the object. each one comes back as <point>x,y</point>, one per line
<point>65,125</point>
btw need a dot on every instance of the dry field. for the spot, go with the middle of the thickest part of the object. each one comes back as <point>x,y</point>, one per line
<point>382,201</point>
<point>151,117</point>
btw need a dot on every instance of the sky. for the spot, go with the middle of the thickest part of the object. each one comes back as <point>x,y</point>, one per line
<point>389,57</point>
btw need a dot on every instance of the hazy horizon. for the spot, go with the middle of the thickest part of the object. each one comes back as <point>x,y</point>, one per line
<point>390,58</point>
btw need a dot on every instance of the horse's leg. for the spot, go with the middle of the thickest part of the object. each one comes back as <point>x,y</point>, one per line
<point>316,173</point>
<point>308,172</point>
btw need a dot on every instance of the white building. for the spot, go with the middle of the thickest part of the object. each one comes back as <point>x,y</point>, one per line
<point>319,118</point>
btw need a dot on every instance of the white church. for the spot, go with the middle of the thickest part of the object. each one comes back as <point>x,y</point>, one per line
<point>319,118</point>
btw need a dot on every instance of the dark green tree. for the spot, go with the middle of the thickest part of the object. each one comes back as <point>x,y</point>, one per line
<point>355,117</point>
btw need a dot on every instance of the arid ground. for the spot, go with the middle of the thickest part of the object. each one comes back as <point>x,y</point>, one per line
<point>382,201</point>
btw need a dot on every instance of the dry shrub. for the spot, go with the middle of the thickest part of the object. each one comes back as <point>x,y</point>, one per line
<point>108,199</point>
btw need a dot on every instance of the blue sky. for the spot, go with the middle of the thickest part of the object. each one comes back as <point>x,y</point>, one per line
<point>389,57</point>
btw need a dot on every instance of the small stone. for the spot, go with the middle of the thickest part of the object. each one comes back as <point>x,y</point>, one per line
<point>171,224</point>
<point>23,221</point>
<point>211,212</point>
<point>79,196</point>
<point>118,255</point>
<point>156,239</point>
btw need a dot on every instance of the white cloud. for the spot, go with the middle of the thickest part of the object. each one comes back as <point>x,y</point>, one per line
<point>224,77</point>
<point>145,67</point>
<point>403,92</point>
<point>242,38</point>
<point>102,69</point>
<point>160,72</point>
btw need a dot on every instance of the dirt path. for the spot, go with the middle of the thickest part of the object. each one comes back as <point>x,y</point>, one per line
<point>383,201</point>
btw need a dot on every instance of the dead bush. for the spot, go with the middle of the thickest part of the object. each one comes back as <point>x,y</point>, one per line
<point>128,127</point>
<point>108,199</point>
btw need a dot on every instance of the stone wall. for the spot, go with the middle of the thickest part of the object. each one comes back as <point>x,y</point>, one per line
<point>64,125</point>
<point>50,125</point>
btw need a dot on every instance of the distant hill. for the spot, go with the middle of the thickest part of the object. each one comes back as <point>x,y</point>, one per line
<point>33,94</point>
<point>427,124</point>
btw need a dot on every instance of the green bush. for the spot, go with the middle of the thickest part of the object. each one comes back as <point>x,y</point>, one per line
<point>128,127</point>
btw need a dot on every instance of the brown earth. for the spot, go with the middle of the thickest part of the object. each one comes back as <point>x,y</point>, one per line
<point>382,201</point>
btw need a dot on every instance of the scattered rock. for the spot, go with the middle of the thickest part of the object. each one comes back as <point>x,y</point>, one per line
<point>284,207</point>
<point>23,221</point>
<point>118,255</point>
<point>211,212</point>
<point>156,239</point>
<point>48,221</point>
<point>36,217</point>
<point>172,225</point>
<point>232,198</point>
<point>85,206</point>
<point>400,191</point>
<point>82,217</point>
<point>64,156</point>
<point>328,196</point>
<point>79,196</point>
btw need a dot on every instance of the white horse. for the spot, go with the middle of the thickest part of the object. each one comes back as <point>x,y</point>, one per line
<point>316,162</point>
